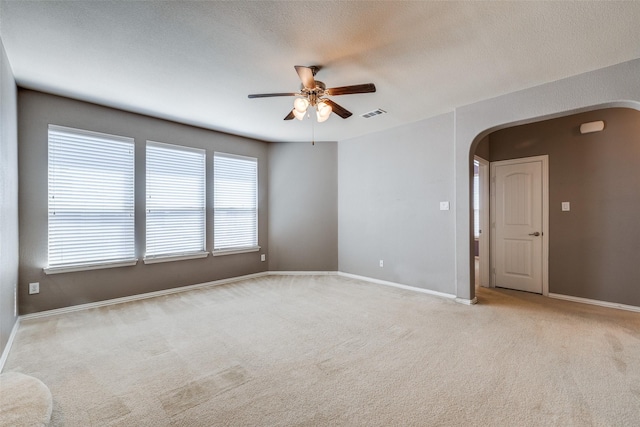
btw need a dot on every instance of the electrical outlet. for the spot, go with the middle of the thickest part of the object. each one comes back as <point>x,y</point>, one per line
<point>34,288</point>
<point>263,257</point>
<point>381,263</point>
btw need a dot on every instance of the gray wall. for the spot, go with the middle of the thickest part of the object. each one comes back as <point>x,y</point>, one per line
<point>35,111</point>
<point>594,249</point>
<point>390,186</point>
<point>8,199</point>
<point>618,85</point>
<point>303,207</point>
<point>377,171</point>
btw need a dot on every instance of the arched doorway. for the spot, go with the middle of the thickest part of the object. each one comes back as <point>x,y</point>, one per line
<point>595,177</point>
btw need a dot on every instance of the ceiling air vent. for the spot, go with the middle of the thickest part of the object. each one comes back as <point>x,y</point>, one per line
<point>373,113</point>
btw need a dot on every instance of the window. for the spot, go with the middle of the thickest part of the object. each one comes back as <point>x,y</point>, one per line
<point>176,204</point>
<point>91,200</point>
<point>235,188</point>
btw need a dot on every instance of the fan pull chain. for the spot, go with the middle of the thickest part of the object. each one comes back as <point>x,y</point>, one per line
<point>313,130</point>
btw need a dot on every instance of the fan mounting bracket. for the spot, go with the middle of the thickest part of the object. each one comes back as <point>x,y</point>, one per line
<point>314,69</point>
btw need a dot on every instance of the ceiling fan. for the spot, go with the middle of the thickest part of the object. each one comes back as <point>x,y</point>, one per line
<point>314,93</point>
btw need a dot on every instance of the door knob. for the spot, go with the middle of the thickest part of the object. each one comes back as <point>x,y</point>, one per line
<point>537,233</point>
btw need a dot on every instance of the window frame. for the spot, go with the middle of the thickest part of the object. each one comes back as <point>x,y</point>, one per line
<point>178,255</point>
<point>60,184</point>
<point>230,250</point>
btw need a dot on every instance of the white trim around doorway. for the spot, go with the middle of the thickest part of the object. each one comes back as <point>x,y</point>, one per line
<point>484,258</point>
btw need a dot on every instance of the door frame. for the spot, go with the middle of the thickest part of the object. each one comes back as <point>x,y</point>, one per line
<point>484,261</point>
<point>545,216</point>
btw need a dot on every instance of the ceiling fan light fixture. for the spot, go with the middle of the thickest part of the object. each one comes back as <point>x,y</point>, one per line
<point>313,92</point>
<point>323,111</point>
<point>321,118</point>
<point>299,115</point>
<point>300,105</point>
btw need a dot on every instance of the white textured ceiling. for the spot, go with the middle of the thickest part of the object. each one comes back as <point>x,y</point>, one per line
<point>196,62</point>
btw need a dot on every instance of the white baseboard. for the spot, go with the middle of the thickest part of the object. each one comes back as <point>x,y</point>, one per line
<point>467,301</point>
<point>138,297</point>
<point>7,348</point>
<point>302,273</point>
<point>595,302</point>
<point>397,285</point>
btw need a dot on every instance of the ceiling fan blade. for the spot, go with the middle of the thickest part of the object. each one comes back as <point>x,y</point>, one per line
<point>268,95</point>
<point>341,111</point>
<point>306,76</point>
<point>346,90</point>
<point>290,116</point>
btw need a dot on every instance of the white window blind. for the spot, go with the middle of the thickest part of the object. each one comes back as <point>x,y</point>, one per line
<point>91,198</point>
<point>176,203</point>
<point>235,181</point>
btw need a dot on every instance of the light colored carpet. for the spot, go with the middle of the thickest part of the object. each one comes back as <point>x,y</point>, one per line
<point>327,350</point>
<point>24,401</point>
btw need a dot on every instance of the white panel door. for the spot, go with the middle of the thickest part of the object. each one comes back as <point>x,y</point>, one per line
<point>518,218</point>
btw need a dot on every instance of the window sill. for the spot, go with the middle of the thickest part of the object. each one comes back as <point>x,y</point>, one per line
<point>169,258</point>
<point>84,267</point>
<point>221,252</point>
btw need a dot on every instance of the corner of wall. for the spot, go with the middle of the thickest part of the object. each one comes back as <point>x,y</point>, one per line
<point>8,200</point>
<point>303,210</point>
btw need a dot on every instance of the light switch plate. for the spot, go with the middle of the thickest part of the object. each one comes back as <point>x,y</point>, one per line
<point>444,206</point>
<point>566,206</point>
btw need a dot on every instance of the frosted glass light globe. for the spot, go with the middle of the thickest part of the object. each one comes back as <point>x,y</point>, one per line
<point>324,111</point>
<point>300,105</point>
